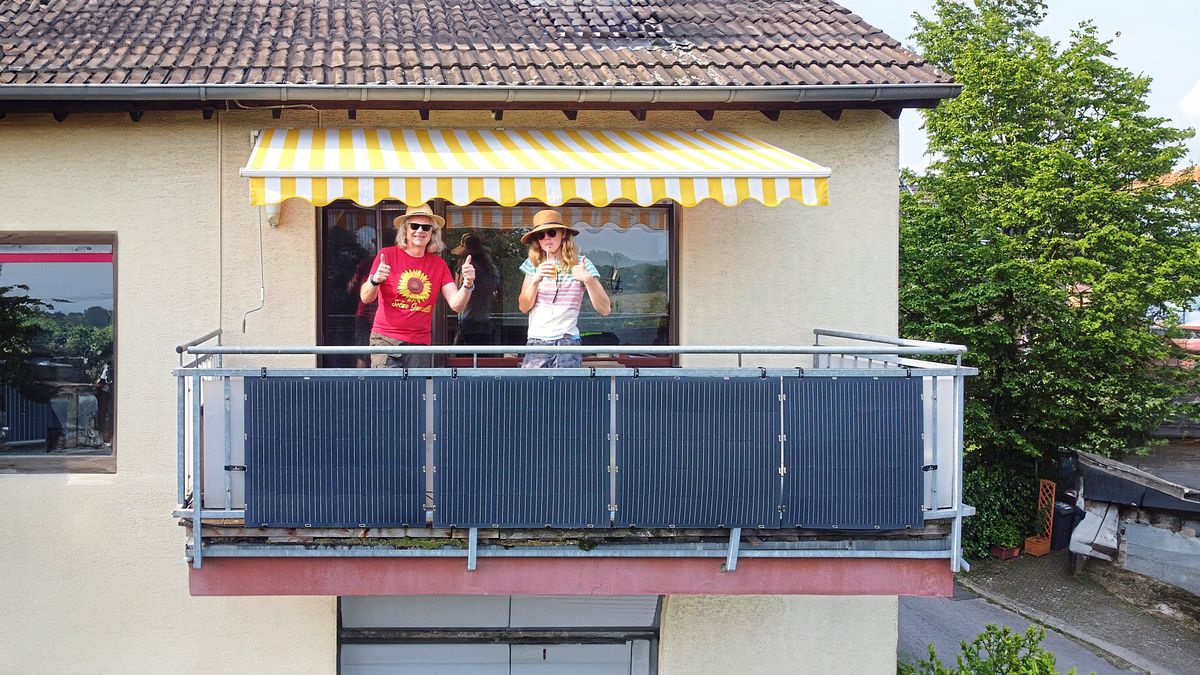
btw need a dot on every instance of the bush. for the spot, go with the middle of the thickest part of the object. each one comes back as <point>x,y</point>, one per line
<point>1005,501</point>
<point>995,651</point>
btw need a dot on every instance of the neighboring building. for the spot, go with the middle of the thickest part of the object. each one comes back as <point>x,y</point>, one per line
<point>180,169</point>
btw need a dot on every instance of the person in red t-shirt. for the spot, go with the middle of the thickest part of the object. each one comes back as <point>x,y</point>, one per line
<point>406,279</point>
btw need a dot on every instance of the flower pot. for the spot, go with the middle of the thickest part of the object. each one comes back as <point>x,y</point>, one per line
<point>1037,546</point>
<point>1005,552</point>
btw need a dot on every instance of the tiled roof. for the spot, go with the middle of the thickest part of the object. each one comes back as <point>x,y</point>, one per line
<point>449,42</point>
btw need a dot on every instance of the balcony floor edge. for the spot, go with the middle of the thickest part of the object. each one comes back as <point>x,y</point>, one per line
<point>570,576</point>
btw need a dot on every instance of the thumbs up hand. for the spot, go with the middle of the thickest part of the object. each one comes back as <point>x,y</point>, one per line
<point>382,272</point>
<point>468,272</point>
<point>580,270</point>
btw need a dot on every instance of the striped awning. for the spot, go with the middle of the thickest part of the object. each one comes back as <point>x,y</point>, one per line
<point>368,165</point>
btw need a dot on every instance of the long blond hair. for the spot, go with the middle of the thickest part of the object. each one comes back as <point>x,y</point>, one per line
<point>435,246</point>
<point>568,255</point>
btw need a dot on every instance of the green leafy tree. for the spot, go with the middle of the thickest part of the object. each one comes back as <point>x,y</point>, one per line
<point>19,330</point>
<point>1042,237</point>
<point>996,650</point>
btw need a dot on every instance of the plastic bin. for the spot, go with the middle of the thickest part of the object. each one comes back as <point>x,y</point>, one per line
<point>1064,523</point>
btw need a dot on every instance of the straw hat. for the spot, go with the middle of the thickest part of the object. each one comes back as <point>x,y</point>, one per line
<point>546,219</point>
<point>469,242</point>
<point>419,210</point>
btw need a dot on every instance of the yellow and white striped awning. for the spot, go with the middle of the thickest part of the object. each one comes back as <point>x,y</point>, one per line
<point>368,165</point>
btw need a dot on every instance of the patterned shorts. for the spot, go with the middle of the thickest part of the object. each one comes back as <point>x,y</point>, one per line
<point>553,360</point>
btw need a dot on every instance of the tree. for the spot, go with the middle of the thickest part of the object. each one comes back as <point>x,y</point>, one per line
<point>19,329</point>
<point>998,650</point>
<point>1042,236</point>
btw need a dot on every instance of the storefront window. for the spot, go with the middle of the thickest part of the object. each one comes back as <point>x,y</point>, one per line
<point>57,375</point>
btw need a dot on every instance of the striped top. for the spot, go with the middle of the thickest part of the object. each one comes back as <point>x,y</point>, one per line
<point>555,312</point>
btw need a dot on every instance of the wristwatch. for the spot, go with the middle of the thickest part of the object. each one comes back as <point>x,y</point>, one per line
<point>373,282</point>
<point>468,288</point>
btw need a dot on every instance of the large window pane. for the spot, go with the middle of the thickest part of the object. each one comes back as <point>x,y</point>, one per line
<point>628,245</point>
<point>350,237</point>
<point>57,380</point>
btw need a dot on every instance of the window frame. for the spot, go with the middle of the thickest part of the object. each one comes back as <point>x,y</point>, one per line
<point>96,464</point>
<point>440,336</point>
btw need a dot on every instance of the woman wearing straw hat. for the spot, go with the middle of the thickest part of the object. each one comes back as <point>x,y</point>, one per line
<point>556,276</point>
<point>404,278</point>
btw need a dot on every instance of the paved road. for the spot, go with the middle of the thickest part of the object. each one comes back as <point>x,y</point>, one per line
<point>947,621</point>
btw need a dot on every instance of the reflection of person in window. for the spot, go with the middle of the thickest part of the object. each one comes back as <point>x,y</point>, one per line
<point>556,276</point>
<point>407,279</point>
<point>475,320</point>
<point>364,316</point>
<point>616,279</point>
<point>103,388</point>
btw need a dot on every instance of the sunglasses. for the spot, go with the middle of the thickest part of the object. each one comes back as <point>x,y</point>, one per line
<point>420,226</point>
<point>554,232</point>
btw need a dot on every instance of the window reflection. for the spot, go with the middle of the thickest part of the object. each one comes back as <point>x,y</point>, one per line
<point>57,381</point>
<point>628,245</point>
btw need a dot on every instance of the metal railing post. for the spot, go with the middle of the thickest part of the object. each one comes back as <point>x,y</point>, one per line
<point>956,557</point>
<point>181,438</point>
<point>228,442</point>
<point>933,473</point>
<point>197,473</point>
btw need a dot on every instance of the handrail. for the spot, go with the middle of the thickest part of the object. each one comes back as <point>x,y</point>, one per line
<point>583,349</point>
<point>903,342</point>
<point>205,338</point>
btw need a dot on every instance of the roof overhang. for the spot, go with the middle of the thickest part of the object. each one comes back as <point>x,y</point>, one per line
<point>48,97</point>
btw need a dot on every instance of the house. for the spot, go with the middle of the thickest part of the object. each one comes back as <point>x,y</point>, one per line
<point>745,477</point>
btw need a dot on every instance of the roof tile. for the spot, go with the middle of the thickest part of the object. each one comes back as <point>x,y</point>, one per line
<point>449,42</point>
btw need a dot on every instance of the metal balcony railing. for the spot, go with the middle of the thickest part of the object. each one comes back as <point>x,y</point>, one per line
<point>853,440</point>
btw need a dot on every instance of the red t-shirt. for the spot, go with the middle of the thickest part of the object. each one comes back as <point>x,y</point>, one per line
<point>407,298</point>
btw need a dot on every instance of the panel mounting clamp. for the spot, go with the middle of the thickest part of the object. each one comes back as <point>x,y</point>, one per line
<point>762,372</point>
<point>799,371</point>
<point>263,373</point>
<point>235,467</point>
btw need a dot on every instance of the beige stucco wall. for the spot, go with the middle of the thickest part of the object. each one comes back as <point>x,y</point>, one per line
<point>778,634</point>
<point>92,566</point>
<point>92,576</point>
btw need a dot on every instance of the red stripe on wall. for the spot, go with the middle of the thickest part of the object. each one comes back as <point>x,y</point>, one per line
<point>564,576</point>
<point>55,257</point>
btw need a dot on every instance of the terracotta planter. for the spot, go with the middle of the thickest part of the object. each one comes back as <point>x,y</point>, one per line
<point>1005,553</point>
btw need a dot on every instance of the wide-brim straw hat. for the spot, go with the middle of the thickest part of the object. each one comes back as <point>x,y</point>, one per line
<point>419,210</point>
<point>469,242</point>
<point>547,219</point>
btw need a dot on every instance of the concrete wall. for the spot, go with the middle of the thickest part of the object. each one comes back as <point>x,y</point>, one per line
<point>93,572</point>
<point>778,634</point>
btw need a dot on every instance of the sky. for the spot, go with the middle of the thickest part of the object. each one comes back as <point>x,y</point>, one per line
<point>1158,38</point>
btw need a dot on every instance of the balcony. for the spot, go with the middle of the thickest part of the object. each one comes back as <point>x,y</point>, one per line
<point>849,448</point>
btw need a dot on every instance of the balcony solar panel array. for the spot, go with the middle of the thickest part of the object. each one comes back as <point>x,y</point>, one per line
<point>334,452</point>
<point>815,452</point>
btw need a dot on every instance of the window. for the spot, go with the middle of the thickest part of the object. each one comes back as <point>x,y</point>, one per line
<point>57,362</point>
<point>499,634</point>
<point>630,246</point>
